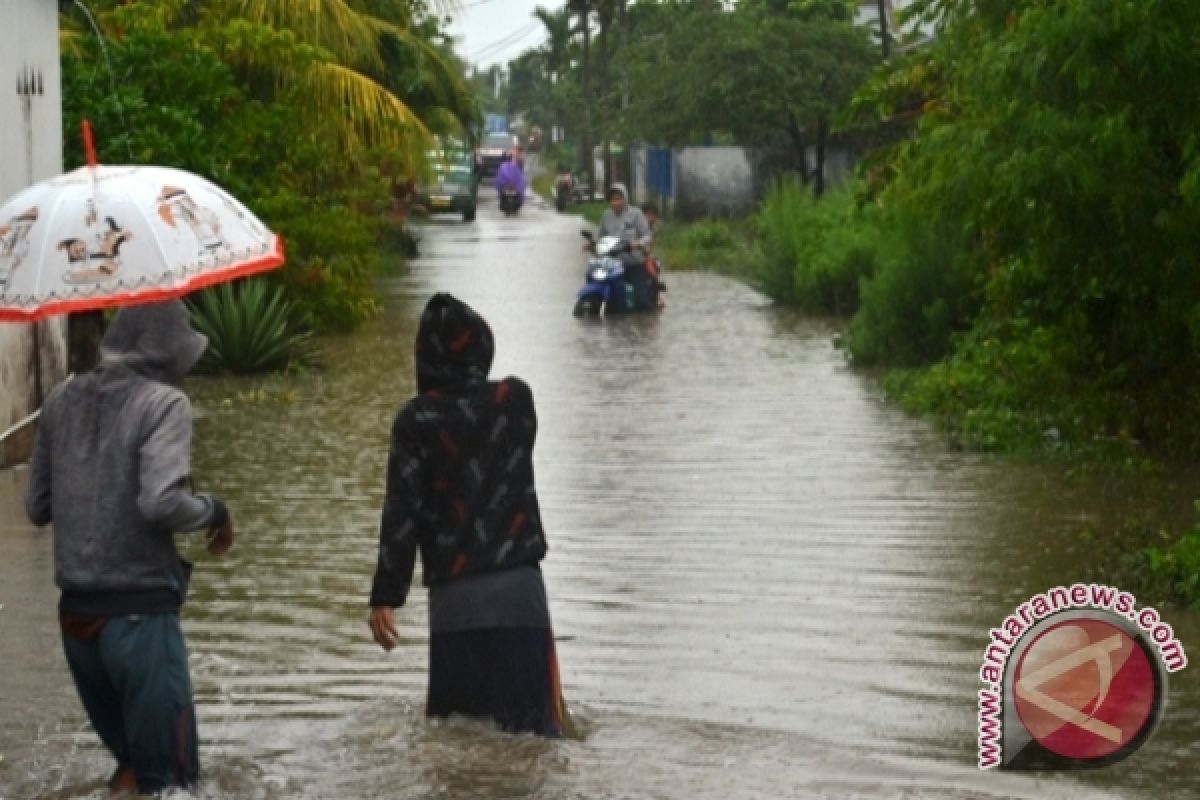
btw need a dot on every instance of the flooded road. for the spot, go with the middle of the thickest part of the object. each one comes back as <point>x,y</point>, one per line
<point>768,583</point>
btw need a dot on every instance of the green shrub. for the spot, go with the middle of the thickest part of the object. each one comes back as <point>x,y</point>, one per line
<point>814,253</point>
<point>251,327</point>
<point>709,234</point>
<point>925,290</point>
<point>708,244</point>
<point>1174,570</point>
<point>1020,387</point>
<point>992,394</point>
<point>333,256</point>
<point>398,243</point>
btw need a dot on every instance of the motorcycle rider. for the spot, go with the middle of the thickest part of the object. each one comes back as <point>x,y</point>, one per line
<point>564,187</point>
<point>509,176</point>
<point>628,223</point>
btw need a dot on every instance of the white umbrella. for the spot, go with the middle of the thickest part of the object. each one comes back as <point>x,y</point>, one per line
<point>105,236</point>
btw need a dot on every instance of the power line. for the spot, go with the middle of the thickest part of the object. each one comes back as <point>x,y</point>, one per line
<point>489,50</point>
<point>496,56</point>
<point>506,40</point>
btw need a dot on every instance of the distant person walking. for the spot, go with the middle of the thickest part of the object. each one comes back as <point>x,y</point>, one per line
<point>460,490</point>
<point>111,469</point>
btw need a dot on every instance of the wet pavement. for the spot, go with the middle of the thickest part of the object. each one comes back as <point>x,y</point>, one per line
<point>767,582</point>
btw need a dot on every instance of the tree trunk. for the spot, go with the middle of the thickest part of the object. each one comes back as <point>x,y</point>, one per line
<point>800,146</point>
<point>624,36</point>
<point>822,136</point>
<point>884,36</point>
<point>605,145</point>
<point>586,65</point>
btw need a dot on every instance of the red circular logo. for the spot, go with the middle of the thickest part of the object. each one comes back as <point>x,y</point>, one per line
<point>1085,689</point>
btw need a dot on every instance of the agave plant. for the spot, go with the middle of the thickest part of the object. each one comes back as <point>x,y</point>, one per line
<point>251,328</point>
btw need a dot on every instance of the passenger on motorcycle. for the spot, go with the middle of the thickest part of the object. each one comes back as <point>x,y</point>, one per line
<point>628,223</point>
<point>654,265</point>
<point>509,176</point>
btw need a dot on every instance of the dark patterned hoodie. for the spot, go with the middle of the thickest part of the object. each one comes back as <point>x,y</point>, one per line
<point>460,471</point>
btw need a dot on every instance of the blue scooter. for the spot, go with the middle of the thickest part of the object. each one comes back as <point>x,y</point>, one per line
<point>605,290</point>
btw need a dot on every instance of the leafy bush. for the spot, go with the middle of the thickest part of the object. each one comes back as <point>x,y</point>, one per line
<point>333,254</point>
<point>178,104</point>
<point>814,253</point>
<point>987,395</point>
<point>924,291</point>
<point>1038,137</point>
<point>251,328</point>
<point>1174,570</point>
<point>398,243</point>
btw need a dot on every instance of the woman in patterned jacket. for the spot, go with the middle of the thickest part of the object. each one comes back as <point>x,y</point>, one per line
<point>460,490</point>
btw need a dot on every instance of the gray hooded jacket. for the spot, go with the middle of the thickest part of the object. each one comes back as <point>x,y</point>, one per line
<point>111,466</point>
<point>629,225</point>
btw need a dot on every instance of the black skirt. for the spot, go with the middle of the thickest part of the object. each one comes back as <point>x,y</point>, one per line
<point>507,674</point>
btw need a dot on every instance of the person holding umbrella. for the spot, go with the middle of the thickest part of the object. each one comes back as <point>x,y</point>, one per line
<point>111,470</point>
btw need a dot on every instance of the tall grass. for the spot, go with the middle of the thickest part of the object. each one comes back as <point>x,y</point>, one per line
<point>814,253</point>
<point>708,244</point>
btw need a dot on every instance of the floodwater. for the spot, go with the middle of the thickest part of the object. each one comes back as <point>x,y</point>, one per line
<point>767,583</point>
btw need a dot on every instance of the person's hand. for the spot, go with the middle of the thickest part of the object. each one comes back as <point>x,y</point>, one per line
<point>383,626</point>
<point>221,539</point>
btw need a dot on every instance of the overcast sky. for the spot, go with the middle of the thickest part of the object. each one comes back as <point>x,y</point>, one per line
<point>496,31</point>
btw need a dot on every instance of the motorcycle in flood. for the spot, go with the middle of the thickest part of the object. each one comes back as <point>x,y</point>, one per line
<point>510,202</point>
<point>564,190</point>
<point>605,290</point>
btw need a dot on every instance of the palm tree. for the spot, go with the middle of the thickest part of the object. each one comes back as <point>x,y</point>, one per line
<point>558,39</point>
<point>332,50</point>
<point>584,9</point>
<point>556,51</point>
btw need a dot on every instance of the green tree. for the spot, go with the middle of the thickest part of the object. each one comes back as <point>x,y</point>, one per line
<point>755,72</point>
<point>231,89</point>
<point>1062,137</point>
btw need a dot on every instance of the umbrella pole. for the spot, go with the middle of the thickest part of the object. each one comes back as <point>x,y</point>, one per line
<point>38,393</point>
<point>85,329</point>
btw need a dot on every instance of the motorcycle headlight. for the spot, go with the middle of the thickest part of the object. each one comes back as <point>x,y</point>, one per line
<point>599,274</point>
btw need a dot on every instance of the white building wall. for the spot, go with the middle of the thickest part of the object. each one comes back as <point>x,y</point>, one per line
<point>30,150</point>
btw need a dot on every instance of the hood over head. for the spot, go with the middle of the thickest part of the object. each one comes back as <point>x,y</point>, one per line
<point>454,344</point>
<point>155,340</point>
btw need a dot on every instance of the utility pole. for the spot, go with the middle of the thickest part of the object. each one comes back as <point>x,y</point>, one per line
<point>624,37</point>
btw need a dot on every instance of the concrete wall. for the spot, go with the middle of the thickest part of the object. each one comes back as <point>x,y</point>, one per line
<point>714,181</point>
<point>30,150</point>
<point>728,181</point>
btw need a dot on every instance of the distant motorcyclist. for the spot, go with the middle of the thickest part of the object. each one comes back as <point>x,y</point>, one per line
<point>564,187</point>
<point>628,223</point>
<point>509,176</point>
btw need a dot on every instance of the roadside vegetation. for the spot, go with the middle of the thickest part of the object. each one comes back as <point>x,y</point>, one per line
<point>309,113</point>
<point>251,328</point>
<point>1018,251</point>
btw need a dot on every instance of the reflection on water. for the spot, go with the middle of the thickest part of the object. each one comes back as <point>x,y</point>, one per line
<point>767,583</point>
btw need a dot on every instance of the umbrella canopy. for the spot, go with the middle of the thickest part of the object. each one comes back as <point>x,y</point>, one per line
<point>106,236</point>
